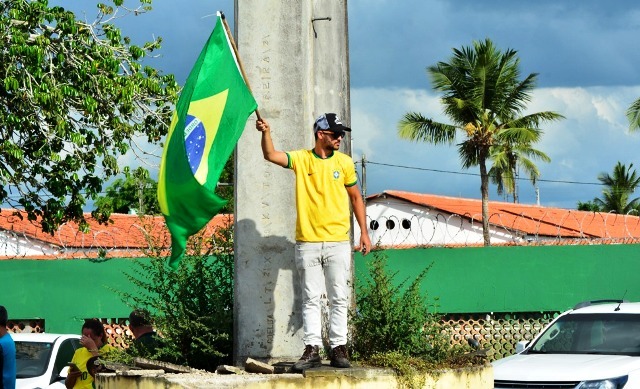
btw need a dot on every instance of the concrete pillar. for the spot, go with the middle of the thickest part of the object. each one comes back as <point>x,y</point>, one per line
<point>297,68</point>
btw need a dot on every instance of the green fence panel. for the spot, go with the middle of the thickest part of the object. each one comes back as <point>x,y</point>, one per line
<point>518,279</point>
<point>465,280</point>
<point>64,292</point>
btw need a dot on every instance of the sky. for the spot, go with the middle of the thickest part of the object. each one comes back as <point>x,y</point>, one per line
<point>585,52</point>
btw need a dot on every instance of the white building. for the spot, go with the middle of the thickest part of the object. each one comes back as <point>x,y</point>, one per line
<point>405,219</point>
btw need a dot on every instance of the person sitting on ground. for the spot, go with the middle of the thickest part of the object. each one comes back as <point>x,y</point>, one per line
<point>147,341</point>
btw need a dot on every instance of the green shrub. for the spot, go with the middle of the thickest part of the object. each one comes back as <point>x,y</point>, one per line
<point>191,307</point>
<point>390,317</point>
<point>394,326</point>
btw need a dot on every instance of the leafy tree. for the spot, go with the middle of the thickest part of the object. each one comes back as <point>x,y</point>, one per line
<point>74,97</point>
<point>618,189</point>
<point>484,97</point>
<point>590,206</point>
<point>137,191</point>
<point>225,185</point>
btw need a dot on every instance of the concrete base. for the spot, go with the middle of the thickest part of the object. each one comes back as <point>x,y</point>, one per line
<point>324,377</point>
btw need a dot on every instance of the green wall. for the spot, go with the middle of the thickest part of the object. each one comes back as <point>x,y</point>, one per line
<point>64,292</point>
<point>518,279</point>
<point>466,280</point>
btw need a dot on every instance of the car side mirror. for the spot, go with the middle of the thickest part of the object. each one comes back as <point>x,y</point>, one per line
<point>522,345</point>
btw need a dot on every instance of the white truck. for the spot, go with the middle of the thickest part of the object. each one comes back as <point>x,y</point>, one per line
<point>596,345</point>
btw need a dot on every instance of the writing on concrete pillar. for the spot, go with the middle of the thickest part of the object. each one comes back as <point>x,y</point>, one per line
<point>267,264</point>
<point>264,69</point>
<point>264,72</point>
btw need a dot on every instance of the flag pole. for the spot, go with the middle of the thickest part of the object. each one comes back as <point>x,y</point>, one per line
<point>235,51</point>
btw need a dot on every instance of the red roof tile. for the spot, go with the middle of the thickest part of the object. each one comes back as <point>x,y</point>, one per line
<point>125,234</point>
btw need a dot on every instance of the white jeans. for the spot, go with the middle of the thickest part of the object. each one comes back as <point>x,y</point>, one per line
<point>324,266</point>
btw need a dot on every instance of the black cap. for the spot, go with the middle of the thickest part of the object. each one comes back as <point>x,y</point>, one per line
<point>329,122</point>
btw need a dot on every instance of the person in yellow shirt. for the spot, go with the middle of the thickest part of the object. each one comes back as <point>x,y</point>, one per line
<point>94,342</point>
<point>326,184</point>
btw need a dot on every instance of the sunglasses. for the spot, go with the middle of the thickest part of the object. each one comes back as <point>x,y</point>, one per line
<point>336,134</point>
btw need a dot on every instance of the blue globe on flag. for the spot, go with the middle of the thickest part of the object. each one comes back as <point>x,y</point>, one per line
<point>195,137</point>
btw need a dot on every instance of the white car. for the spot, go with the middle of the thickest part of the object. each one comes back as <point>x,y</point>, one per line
<point>596,345</point>
<point>41,359</point>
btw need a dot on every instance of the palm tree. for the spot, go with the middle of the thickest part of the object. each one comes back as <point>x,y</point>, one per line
<point>633,114</point>
<point>619,186</point>
<point>484,97</point>
<point>507,159</point>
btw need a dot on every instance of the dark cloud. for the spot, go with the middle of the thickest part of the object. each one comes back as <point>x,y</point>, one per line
<point>568,43</point>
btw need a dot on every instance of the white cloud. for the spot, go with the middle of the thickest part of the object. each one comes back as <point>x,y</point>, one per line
<point>591,139</point>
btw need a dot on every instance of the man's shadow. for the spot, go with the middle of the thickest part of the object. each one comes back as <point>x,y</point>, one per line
<point>267,316</point>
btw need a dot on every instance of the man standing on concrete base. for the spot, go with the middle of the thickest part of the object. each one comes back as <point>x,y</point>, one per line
<point>326,183</point>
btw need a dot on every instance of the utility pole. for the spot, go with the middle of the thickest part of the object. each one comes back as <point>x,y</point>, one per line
<point>364,179</point>
<point>516,171</point>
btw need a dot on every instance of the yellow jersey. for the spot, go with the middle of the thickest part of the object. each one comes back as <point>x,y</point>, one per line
<point>322,202</point>
<point>80,358</point>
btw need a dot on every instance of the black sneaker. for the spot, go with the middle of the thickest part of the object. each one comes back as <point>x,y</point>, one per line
<point>310,358</point>
<point>339,357</point>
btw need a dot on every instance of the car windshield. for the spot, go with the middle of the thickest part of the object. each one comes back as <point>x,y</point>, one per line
<point>32,358</point>
<point>603,333</point>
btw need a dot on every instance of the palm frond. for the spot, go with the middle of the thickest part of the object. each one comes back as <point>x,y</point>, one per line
<point>516,96</point>
<point>529,168</point>
<point>519,135</point>
<point>529,152</point>
<point>633,114</point>
<point>469,154</point>
<point>497,177</point>
<point>416,127</point>
<point>618,188</point>
<point>534,120</point>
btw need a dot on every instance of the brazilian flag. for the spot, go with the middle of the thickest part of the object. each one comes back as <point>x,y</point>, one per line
<point>211,113</point>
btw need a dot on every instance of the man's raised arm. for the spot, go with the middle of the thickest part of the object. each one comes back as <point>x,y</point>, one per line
<point>268,151</point>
